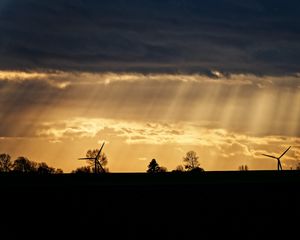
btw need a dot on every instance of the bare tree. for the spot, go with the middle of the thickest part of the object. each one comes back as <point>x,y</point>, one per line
<point>191,161</point>
<point>5,163</point>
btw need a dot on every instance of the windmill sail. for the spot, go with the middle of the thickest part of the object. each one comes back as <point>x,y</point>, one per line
<point>269,156</point>
<point>285,151</point>
<point>279,167</point>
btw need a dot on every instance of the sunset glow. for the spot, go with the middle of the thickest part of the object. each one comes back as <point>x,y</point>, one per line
<point>179,86</point>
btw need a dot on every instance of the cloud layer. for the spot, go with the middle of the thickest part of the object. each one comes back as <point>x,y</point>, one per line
<point>215,145</point>
<point>257,37</point>
<point>266,105</point>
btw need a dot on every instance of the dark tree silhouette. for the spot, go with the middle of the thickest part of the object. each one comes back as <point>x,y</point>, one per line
<point>5,163</point>
<point>154,167</point>
<point>43,168</point>
<point>82,170</point>
<point>191,161</point>
<point>24,165</point>
<point>102,158</point>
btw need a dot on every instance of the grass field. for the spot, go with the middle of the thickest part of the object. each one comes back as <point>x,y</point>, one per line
<point>170,205</point>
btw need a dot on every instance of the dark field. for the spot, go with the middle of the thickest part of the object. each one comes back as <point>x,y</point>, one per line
<point>245,205</point>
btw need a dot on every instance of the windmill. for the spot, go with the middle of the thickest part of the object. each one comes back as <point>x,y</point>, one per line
<point>96,161</point>
<point>279,167</point>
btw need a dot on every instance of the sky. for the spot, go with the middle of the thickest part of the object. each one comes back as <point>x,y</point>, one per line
<point>153,79</point>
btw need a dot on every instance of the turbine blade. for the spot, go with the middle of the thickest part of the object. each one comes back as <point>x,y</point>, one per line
<point>269,156</point>
<point>285,151</point>
<point>100,151</point>
<point>85,158</point>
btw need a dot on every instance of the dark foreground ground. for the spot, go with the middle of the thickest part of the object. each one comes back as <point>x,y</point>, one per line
<point>222,205</point>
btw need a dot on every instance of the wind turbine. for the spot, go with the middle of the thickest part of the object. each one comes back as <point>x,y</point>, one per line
<point>279,167</point>
<point>95,159</point>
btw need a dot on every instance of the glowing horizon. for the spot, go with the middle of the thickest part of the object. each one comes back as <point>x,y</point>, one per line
<point>180,112</point>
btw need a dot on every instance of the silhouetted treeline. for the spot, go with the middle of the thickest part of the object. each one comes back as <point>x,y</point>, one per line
<point>24,165</point>
<point>191,164</point>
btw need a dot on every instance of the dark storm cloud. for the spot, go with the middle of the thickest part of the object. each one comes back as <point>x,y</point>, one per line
<point>260,37</point>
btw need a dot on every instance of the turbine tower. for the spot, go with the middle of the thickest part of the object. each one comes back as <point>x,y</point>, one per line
<point>279,167</point>
<point>96,161</point>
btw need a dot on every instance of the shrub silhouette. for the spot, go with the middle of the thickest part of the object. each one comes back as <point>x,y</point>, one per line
<point>179,168</point>
<point>82,170</point>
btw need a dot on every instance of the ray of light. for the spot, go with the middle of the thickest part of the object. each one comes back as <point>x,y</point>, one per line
<point>293,128</point>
